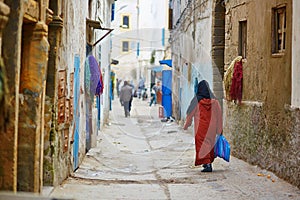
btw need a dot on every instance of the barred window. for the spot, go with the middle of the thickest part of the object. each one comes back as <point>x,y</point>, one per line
<point>279,30</point>
<point>243,38</point>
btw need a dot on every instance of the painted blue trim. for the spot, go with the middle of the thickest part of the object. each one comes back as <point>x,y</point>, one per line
<point>76,111</point>
<point>166,62</point>
<point>163,37</point>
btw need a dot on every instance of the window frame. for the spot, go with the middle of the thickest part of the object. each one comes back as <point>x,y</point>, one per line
<point>125,26</point>
<point>124,50</point>
<point>243,37</point>
<point>279,29</point>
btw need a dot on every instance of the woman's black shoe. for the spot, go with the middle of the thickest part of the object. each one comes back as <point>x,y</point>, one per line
<point>207,168</point>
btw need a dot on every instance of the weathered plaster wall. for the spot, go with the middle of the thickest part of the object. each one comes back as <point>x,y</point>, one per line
<point>105,57</point>
<point>59,116</point>
<point>295,55</point>
<point>71,48</point>
<point>191,41</point>
<point>264,130</point>
<point>75,44</point>
<point>263,70</point>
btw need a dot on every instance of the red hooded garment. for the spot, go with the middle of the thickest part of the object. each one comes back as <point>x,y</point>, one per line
<point>207,123</point>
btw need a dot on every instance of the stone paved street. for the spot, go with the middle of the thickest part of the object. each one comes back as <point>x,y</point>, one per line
<point>142,158</point>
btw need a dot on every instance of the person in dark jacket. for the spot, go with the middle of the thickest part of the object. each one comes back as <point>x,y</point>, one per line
<point>126,97</point>
<point>207,114</point>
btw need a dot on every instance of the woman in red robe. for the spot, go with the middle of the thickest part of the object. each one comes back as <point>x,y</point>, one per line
<point>207,114</point>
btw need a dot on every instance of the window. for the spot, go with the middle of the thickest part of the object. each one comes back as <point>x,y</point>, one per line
<point>125,46</point>
<point>125,21</point>
<point>279,30</point>
<point>170,18</point>
<point>243,39</point>
<point>112,12</point>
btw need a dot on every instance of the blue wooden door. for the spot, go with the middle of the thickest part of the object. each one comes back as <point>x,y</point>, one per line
<point>76,111</point>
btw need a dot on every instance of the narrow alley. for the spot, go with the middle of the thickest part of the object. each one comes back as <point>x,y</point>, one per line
<point>68,69</point>
<point>142,158</point>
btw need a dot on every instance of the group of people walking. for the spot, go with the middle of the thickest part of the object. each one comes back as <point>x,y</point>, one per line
<point>127,91</point>
<point>204,109</point>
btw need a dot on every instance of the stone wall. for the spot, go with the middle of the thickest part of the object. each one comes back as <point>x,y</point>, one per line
<point>8,148</point>
<point>267,139</point>
<point>57,149</point>
<point>25,61</point>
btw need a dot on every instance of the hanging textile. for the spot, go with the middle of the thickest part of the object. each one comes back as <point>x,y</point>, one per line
<point>99,89</point>
<point>93,77</point>
<point>236,88</point>
<point>228,77</point>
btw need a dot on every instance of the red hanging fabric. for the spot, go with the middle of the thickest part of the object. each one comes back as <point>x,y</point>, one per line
<point>236,90</point>
<point>99,89</point>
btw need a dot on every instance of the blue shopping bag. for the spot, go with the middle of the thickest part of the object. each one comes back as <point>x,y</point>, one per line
<point>222,148</point>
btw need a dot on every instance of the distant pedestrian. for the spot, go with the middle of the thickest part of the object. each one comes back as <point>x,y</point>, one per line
<point>207,114</point>
<point>118,86</point>
<point>158,92</point>
<point>153,95</point>
<point>145,95</point>
<point>141,87</point>
<point>126,97</point>
<point>133,93</point>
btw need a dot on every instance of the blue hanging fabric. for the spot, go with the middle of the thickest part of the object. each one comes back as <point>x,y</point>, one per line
<point>196,85</point>
<point>222,148</point>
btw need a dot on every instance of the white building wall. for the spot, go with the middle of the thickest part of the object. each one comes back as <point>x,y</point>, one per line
<point>127,60</point>
<point>203,46</point>
<point>102,52</point>
<point>73,45</point>
<point>175,5</point>
<point>295,55</point>
<point>191,54</point>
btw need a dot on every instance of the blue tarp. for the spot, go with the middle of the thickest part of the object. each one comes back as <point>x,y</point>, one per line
<point>167,92</point>
<point>166,62</point>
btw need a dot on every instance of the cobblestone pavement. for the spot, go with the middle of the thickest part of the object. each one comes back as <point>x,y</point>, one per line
<point>142,158</point>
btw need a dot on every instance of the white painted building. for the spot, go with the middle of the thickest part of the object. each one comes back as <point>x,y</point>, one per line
<point>194,49</point>
<point>140,27</point>
<point>295,55</point>
<point>73,55</point>
<point>102,51</point>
